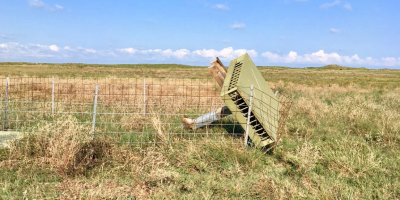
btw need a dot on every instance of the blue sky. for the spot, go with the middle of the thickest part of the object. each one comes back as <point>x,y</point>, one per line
<point>294,33</point>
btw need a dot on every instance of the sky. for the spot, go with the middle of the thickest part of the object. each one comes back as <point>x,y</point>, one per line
<point>293,33</point>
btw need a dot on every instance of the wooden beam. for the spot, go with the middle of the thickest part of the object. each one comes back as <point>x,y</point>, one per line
<point>218,71</point>
<point>220,63</point>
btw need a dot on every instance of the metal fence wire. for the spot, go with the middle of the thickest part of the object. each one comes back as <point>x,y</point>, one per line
<point>134,111</point>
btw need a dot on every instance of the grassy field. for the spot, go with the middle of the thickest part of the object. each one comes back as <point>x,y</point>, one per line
<point>342,142</point>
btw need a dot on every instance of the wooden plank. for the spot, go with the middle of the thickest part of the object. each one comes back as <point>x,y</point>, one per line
<point>218,71</point>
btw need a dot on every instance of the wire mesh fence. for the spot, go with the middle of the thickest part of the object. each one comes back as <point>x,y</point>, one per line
<point>134,111</point>
<point>131,110</point>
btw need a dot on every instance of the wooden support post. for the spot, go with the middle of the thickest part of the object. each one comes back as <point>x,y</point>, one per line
<point>220,63</point>
<point>218,71</point>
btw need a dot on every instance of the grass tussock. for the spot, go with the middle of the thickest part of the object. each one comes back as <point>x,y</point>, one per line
<point>65,146</point>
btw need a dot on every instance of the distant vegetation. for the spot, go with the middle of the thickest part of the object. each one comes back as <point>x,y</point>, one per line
<point>337,67</point>
<point>154,70</point>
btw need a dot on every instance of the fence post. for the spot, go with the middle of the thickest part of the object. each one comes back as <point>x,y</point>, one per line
<point>248,116</point>
<point>94,110</point>
<point>5,106</point>
<point>52,95</point>
<point>144,97</point>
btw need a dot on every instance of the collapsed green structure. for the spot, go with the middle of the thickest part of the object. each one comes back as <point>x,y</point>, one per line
<point>264,110</point>
<point>250,100</point>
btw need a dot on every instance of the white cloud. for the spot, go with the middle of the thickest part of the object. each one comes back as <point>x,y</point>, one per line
<point>390,61</point>
<point>237,25</point>
<point>347,6</point>
<point>38,52</point>
<point>90,50</point>
<point>80,50</point>
<point>159,54</point>
<point>42,5</point>
<point>15,50</point>
<point>226,53</point>
<point>221,7</point>
<point>328,5</point>
<point>54,47</point>
<point>317,57</point>
<point>162,54</point>
<point>128,50</point>
<point>320,57</point>
<point>59,7</point>
<point>333,30</point>
<point>181,53</point>
<point>37,4</point>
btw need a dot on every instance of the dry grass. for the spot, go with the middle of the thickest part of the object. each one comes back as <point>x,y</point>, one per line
<point>341,142</point>
<point>65,146</point>
<point>75,189</point>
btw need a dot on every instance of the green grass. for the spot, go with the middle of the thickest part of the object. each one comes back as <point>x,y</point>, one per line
<point>342,142</point>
